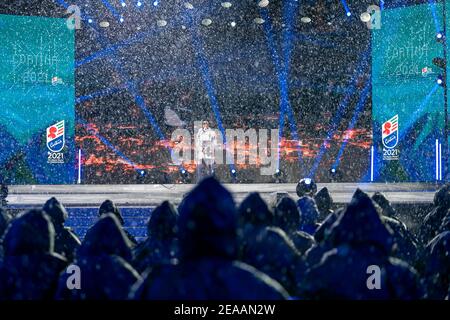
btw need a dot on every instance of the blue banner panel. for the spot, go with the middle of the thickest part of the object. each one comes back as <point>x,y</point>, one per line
<point>37,100</point>
<point>407,98</point>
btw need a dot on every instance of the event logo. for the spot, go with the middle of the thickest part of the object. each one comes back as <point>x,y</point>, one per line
<point>55,137</point>
<point>56,80</point>
<point>390,132</point>
<point>390,139</point>
<point>426,71</point>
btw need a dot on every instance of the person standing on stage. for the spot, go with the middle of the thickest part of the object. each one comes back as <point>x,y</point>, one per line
<point>205,147</point>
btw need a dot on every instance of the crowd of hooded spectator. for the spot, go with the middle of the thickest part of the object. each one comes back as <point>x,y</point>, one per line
<point>210,248</point>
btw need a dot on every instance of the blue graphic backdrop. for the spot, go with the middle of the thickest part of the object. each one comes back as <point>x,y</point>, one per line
<point>38,91</point>
<point>404,83</point>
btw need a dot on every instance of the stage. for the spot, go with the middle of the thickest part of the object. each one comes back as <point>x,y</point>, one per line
<point>412,201</point>
<point>151,195</point>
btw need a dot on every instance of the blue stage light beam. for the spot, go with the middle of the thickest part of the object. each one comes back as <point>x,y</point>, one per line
<point>417,114</point>
<point>347,9</point>
<point>202,63</point>
<point>121,44</point>
<point>134,91</point>
<point>318,42</point>
<point>359,108</point>
<point>290,9</point>
<point>178,71</point>
<point>132,39</point>
<point>107,143</point>
<point>285,106</point>
<point>432,6</point>
<point>371,173</point>
<point>98,94</point>
<point>131,87</point>
<point>338,116</point>
<point>111,9</point>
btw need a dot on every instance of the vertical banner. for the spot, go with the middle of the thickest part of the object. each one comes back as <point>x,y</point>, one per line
<point>407,100</point>
<point>37,100</point>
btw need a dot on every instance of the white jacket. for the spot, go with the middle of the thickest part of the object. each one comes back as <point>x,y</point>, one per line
<point>205,144</point>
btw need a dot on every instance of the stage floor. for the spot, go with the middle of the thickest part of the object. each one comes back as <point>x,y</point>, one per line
<point>151,195</point>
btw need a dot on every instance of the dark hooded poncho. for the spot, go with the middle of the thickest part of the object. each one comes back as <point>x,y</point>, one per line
<point>160,247</point>
<point>314,254</point>
<point>430,225</point>
<point>287,217</point>
<point>30,269</point>
<point>253,216</point>
<point>324,202</point>
<point>207,268</point>
<point>360,239</point>
<point>5,219</point>
<point>66,242</point>
<point>385,205</point>
<point>273,253</point>
<point>104,261</point>
<point>437,259</point>
<point>309,215</point>
<point>109,207</point>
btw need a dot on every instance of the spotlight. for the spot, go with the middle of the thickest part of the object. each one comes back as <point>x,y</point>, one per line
<point>234,176</point>
<point>349,14</point>
<point>258,20</point>
<point>89,20</point>
<point>365,17</point>
<point>139,3</point>
<point>279,176</point>
<point>305,19</point>
<point>440,80</point>
<point>335,175</point>
<point>188,5</point>
<point>123,4</point>
<point>440,36</point>
<point>104,24</point>
<point>263,3</point>
<point>161,23</point>
<point>226,4</point>
<point>306,187</point>
<point>233,24</point>
<point>142,173</point>
<point>155,3</point>
<point>206,22</point>
<point>333,172</point>
<point>121,19</point>
<point>185,176</point>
